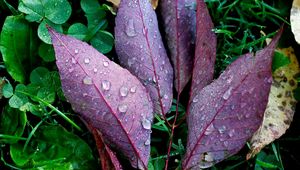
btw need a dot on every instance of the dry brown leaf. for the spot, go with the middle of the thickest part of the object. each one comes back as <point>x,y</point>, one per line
<point>281,106</point>
<point>117,2</point>
<point>295,20</point>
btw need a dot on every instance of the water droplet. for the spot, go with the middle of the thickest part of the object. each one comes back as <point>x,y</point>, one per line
<point>123,91</point>
<point>122,108</point>
<point>76,51</point>
<point>225,143</point>
<point>227,93</point>
<point>95,70</point>
<point>86,60</point>
<point>195,100</point>
<point>146,124</point>
<point>105,63</point>
<point>209,157</point>
<point>133,89</point>
<point>166,96</point>
<point>229,80</point>
<point>87,80</point>
<point>147,142</point>
<point>209,129</point>
<point>247,115</point>
<point>73,60</point>
<point>154,79</point>
<point>231,132</point>
<point>71,70</point>
<point>222,129</point>
<point>105,85</point>
<point>84,94</point>
<point>130,30</point>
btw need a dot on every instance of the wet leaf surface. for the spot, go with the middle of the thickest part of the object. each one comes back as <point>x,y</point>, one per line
<point>226,113</point>
<point>107,96</point>
<point>179,21</point>
<point>140,49</point>
<point>281,105</point>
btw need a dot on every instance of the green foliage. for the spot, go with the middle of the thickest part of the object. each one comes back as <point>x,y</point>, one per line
<point>17,56</point>
<point>279,60</point>
<point>12,125</point>
<point>53,147</point>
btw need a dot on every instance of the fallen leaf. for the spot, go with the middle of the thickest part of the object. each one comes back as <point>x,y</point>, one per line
<point>140,49</point>
<point>205,54</point>
<point>295,20</point>
<point>281,105</point>
<point>179,21</point>
<point>107,96</point>
<point>226,113</point>
<point>154,3</point>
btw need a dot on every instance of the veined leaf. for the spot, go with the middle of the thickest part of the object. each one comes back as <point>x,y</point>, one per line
<point>107,96</point>
<point>179,20</point>
<point>15,30</point>
<point>281,105</point>
<point>154,3</point>
<point>140,49</point>
<point>205,53</point>
<point>226,113</point>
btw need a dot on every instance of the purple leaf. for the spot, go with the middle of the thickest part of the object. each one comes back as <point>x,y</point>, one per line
<point>226,113</point>
<point>107,96</point>
<point>205,53</point>
<point>140,49</point>
<point>179,20</point>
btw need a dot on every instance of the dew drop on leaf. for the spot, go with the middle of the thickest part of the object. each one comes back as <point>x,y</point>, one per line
<point>123,91</point>
<point>73,60</point>
<point>105,63</point>
<point>122,108</point>
<point>209,129</point>
<point>147,142</point>
<point>87,80</point>
<point>95,70</point>
<point>133,89</point>
<point>76,51</point>
<point>146,124</point>
<point>105,85</point>
<point>86,60</point>
<point>231,133</point>
<point>130,30</point>
<point>227,93</point>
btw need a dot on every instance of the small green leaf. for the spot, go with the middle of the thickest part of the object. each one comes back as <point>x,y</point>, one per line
<point>54,146</point>
<point>7,90</point>
<point>12,122</point>
<point>46,95</point>
<point>16,102</point>
<point>103,41</point>
<point>57,12</point>
<point>46,52</point>
<point>43,33</point>
<point>17,45</point>
<point>38,74</point>
<point>90,6</point>
<point>78,31</point>
<point>279,60</point>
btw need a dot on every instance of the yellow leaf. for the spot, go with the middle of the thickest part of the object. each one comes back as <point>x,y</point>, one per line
<point>281,105</point>
<point>117,2</point>
<point>295,20</point>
